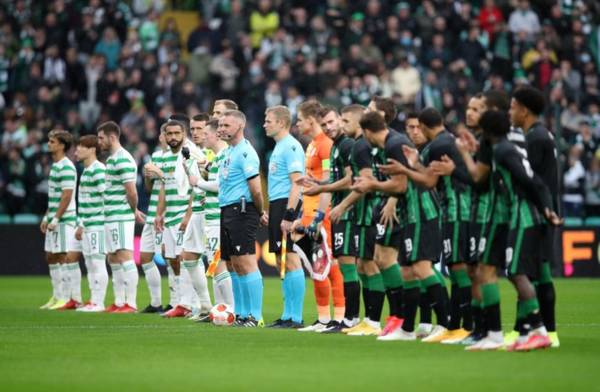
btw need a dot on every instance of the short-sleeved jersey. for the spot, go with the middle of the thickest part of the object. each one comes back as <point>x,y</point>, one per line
<point>340,159</point>
<point>63,176</point>
<point>317,162</point>
<point>155,191</point>
<point>416,204</point>
<point>516,184</point>
<point>543,156</point>
<point>240,163</point>
<point>454,190</point>
<point>287,157</point>
<point>120,169</point>
<point>362,158</point>
<point>176,202</point>
<point>212,211</point>
<point>199,200</point>
<point>91,195</point>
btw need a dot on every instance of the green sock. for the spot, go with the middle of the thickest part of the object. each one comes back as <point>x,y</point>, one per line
<point>545,274</point>
<point>349,272</point>
<point>392,277</point>
<point>364,280</point>
<point>439,276</point>
<point>530,306</point>
<point>375,283</point>
<point>430,281</point>
<point>461,278</point>
<point>490,294</point>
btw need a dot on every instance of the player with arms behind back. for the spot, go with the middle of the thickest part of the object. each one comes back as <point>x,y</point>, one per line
<point>120,214</point>
<point>59,221</point>
<point>91,215</point>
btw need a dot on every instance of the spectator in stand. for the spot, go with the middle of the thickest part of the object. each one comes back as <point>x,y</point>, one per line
<point>573,181</point>
<point>524,20</point>
<point>264,21</point>
<point>489,17</point>
<point>406,81</point>
<point>592,188</point>
<point>110,47</point>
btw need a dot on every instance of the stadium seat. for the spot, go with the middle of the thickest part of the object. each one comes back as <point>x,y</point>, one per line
<point>573,221</point>
<point>26,219</point>
<point>592,221</point>
<point>5,219</point>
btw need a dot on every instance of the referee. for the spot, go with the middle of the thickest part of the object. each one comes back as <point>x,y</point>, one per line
<point>241,205</point>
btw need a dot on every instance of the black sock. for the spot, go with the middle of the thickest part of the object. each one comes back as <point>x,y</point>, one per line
<point>534,320</point>
<point>352,297</point>
<point>454,307</point>
<point>376,299</point>
<point>547,299</point>
<point>366,294</point>
<point>477,320</point>
<point>436,301</point>
<point>466,308</point>
<point>523,326</point>
<point>395,300</point>
<point>491,315</point>
<point>411,303</point>
<point>425,308</point>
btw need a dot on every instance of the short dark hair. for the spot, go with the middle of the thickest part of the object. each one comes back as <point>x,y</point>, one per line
<point>353,108</point>
<point>410,115</point>
<point>110,128</point>
<point>181,118</point>
<point>175,123</point>
<point>88,141</point>
<point>201,117</point>
<point>531,98</point>
<point>495,123</point>
<point>212,124</point>
<point>373,122</point>
<point>64,137</point>
<point>325,110</point>
<point>496,100</point>
<point>310,108</point>
<point>431,118</point>
<point>387,106</point>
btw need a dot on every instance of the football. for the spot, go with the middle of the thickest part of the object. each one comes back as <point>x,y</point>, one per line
<point>222,314</point>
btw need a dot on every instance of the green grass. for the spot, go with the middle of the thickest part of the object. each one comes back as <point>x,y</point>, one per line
<point>64,351</point>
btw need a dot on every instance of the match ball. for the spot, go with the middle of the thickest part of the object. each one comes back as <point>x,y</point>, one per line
<point>222,314</point>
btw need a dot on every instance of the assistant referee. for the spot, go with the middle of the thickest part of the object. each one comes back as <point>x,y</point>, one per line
<point>240,199</point>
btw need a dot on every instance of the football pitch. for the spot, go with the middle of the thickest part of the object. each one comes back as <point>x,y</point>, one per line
<point>69,351</point>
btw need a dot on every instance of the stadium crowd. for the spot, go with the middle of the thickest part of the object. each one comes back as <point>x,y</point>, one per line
<point>74,64</point>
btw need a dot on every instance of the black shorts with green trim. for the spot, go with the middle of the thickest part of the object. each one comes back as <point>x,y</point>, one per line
<point>389,236</point>
<point>342,235</point>
<point>455,244</point>
<point>523,251</point>
<point>492,244</point>
<point>422,241</point>
<point>364,241</point>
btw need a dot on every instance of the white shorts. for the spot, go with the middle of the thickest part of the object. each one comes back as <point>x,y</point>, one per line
<point>213,242</point>
<point>93,242</point>
<point>173,240</point>
<point>61,240</point>
<point>151,240</point>
<point>119,235</point>
<point>194,239</point>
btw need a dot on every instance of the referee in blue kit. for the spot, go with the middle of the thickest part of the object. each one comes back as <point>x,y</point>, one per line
<point>240,199</point>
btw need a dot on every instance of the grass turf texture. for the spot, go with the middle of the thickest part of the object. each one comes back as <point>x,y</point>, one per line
<point>61,351</point>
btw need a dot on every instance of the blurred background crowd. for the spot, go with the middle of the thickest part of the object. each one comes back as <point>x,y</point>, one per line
<point>74,63</point>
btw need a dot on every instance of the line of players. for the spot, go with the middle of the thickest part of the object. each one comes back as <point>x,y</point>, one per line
<point>387,204</point>
<point>182,221</point>
<point>395,208</point>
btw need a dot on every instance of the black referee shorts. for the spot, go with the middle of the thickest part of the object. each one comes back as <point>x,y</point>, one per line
<point>277,210</point>
<point>238,230</point>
